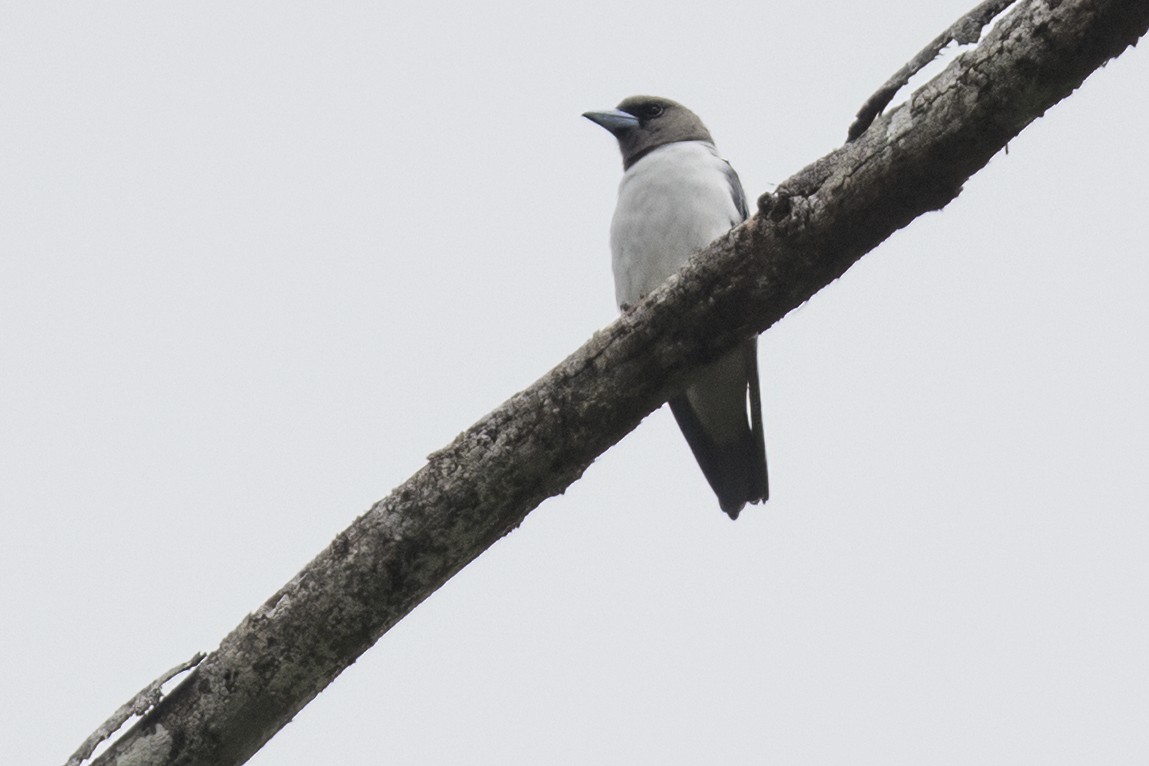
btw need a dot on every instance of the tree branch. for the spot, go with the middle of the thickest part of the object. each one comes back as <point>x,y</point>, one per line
<point>818,223</point>
<point>144,700</point>
<point>964,31</point>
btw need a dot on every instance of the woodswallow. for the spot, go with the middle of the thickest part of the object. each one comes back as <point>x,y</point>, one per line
<point>676,197</point>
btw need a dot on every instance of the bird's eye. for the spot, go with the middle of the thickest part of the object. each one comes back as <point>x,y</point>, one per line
<point>650,111</point>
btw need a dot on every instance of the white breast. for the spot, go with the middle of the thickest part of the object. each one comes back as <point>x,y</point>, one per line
<point>671,204</point>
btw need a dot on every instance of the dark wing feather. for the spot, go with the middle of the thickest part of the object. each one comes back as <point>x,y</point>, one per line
<point>760,481</point>
<point>737,193</point>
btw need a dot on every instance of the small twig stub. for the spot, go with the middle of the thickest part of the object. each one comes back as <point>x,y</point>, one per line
<point>142,702</point>
<point>964,31</point>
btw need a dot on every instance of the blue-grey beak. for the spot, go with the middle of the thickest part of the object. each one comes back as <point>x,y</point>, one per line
<point>616,121</point>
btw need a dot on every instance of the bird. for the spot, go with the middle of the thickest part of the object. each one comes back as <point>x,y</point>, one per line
<point>678,195</point>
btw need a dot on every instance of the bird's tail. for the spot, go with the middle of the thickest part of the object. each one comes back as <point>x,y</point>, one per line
<point>735,469</point>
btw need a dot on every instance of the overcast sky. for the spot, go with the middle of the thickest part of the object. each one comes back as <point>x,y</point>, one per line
<point>259,259</point>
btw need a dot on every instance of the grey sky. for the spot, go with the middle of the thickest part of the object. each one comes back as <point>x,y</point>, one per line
<point>258,261</point>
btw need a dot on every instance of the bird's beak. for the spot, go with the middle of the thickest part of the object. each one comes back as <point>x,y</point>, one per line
<point>615,120</point>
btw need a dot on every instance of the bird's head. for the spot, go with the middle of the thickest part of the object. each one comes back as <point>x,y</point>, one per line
<point>644,123</point>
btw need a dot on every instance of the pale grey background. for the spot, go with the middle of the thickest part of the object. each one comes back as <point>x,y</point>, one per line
<point>260,259</point>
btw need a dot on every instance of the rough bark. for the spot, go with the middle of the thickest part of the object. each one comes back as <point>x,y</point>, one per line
<point>469,494</point>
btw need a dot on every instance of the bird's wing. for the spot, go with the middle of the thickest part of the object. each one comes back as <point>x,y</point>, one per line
<point>737,192</point>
